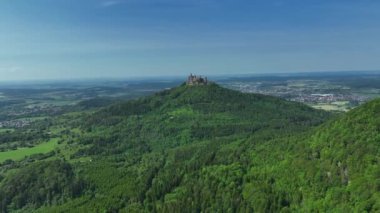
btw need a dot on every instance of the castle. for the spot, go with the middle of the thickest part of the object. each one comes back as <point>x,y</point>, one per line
<point>196,80</point>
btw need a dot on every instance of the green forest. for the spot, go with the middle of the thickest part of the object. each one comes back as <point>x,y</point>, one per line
<point>196,149</point>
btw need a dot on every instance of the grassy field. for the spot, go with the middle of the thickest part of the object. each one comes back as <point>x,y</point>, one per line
<point>5,130</point>
<point>23,152</point>
<point>335,106</point>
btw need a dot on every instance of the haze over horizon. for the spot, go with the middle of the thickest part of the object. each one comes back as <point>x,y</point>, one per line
<point>68,39</point>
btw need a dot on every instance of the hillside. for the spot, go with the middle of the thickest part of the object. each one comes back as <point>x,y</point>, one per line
<point>186,114</point>
<point>347,153</point>
<point>333,167</point>
<point>206,148</point>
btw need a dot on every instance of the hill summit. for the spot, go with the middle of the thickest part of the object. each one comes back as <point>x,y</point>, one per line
<point>196,80</point>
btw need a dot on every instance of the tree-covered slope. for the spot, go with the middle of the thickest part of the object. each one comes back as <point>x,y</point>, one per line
<point>210,149</point>
<point>42,183</point>
<point>185,114</point>
<point>347,152</point>
<point>334,168</point>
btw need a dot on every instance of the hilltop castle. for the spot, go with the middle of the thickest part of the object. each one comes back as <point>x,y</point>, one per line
<point>196,80</point>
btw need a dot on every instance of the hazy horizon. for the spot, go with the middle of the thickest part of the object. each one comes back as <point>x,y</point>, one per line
<point>183,77</point>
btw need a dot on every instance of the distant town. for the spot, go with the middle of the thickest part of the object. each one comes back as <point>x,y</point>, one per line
<point>321,94</point>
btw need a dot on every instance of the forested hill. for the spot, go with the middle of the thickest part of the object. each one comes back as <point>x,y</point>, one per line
<point>346,153</point>
<point>332,168</point>
<point>204,149</point>
<point>188,114</point>
<point>194,104</point>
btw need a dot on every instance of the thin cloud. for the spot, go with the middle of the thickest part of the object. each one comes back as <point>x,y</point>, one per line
<point>155,3</point>
<point>110,3</point>
<point>10,69</point>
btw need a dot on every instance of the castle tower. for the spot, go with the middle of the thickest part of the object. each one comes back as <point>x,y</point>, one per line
<point>196,80</point>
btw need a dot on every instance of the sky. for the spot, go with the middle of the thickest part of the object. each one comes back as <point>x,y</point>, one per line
<point>84,39</point>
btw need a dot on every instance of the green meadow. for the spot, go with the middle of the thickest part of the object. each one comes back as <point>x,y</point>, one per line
<point>23,152</point>
<point>5,130</point>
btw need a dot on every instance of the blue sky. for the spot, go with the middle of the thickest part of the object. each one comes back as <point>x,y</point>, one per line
<point>66,39</point>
